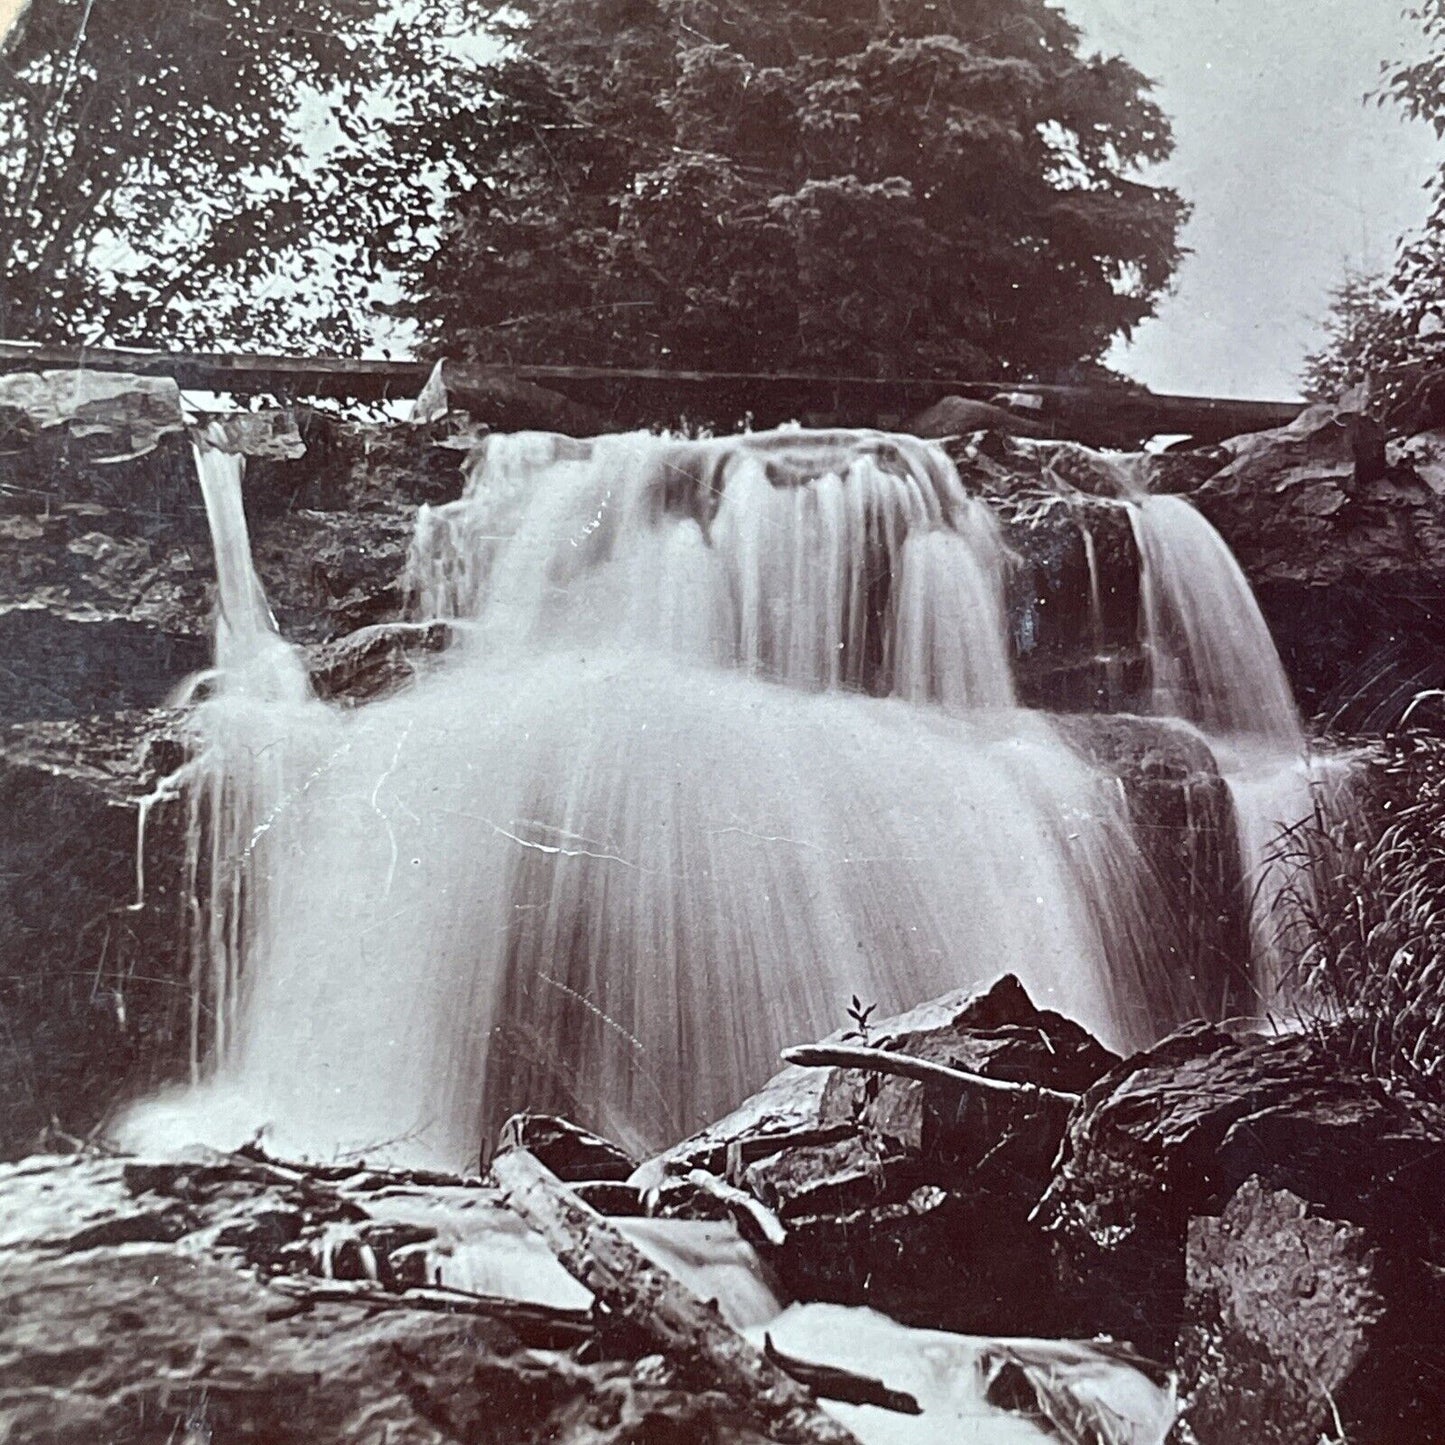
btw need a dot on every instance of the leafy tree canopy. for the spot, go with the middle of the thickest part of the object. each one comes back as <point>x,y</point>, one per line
<point>227,171</point>
<point>875,186</point>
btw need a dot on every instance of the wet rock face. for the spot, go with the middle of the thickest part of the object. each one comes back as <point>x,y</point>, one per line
<point>94,1003</point>
<point>1173,1133</point>
<point>106,577</point>
<point>1072,588</point>
<point>1195,960</point>
<point>106,571</point>
<point>1294,1327</point>
<point>150,1303</point>
<point>1341,535</point>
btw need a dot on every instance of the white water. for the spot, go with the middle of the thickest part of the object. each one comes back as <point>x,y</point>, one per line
<point>1212,659</point>
<point>644,825</point>
<point>483,1248</point>
<point>1214,663</point>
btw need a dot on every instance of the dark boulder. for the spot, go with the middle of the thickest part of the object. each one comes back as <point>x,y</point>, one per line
<point>375,661</point>
<point>1296,1330</point>
<point>107,576</point>
<point>572,1153</point>
<point>911,1197</point>
<point>1171,1135</point>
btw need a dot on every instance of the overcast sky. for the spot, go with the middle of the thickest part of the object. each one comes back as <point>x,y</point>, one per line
<point>1291,177</point>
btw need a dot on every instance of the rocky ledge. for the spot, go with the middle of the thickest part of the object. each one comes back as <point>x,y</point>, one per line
<point>1223,1233</point>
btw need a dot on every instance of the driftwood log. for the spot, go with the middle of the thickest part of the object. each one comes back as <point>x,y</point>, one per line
<point>887,1061</point>
<point>537,1326</point>
<point>684,1328</point>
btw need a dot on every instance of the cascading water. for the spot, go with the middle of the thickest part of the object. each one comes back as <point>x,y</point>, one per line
<point>727,734</point>
<point>1213,661</point>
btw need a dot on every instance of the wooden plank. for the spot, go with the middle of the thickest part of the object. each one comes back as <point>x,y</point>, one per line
<point>635,396</point>
<point>687,1330</point>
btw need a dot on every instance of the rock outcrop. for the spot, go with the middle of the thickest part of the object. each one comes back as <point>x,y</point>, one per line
<point>910,1196</point>
<point>94,1005</point>
<point>1343,538</point>
<point>228,1299</point>
<point>1282,1314</point>
<point>1152,1158</point>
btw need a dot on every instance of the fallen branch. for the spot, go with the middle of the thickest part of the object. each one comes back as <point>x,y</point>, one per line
<point>830,1383</point>
<point>538,1326</point>
<point>685,1329</point>
<point>886,1061</point>
<point>358,1174</point>
<point>740,1203</point>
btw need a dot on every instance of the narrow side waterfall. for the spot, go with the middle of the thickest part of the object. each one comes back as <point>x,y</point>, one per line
<point>1212,659</point>
<point>728,734</point>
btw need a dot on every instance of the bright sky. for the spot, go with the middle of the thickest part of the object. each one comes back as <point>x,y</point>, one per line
<point>1291,177</point>
<point>9,13</point>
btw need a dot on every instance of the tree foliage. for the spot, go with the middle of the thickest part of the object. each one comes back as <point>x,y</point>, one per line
<point>876,186</point>
<point>1365,337</point>
<point>234,170</point>
<point>1386,329</point>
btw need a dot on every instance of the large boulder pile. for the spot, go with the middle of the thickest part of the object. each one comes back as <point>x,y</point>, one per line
<point>1245,1210</point>
<point>228,1299</point>
<point>1239,1213</point>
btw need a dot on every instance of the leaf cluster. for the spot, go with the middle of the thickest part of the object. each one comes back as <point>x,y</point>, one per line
<point>1389,329</point>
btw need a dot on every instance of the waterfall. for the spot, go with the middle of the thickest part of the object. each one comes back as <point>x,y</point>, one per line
<point>1211,655</point>
<point>1213,661</point>
<point>727,735</point>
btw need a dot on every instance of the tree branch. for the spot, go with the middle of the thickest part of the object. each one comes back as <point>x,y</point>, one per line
<point>886,1061</point>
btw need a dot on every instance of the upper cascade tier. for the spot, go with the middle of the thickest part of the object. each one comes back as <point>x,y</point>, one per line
<point>860,560</point>
<point>821,560</point>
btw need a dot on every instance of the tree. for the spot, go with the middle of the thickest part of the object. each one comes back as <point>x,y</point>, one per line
<point>234,170</point>
<point>1365,337</point>
<point>877,186</point>
<point>1386,330</point>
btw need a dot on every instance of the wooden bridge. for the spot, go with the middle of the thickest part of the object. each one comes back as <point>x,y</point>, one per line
<point>1099,415</point>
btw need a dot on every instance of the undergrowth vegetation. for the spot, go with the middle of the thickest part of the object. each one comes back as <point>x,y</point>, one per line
<point>1363,922</point>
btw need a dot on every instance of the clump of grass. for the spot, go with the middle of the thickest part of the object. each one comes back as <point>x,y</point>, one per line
<point>1363,923</point>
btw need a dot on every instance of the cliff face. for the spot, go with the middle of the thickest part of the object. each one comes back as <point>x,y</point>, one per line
<point>1343,537</point>
<point>105,609</point>
<point>105,594</point>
